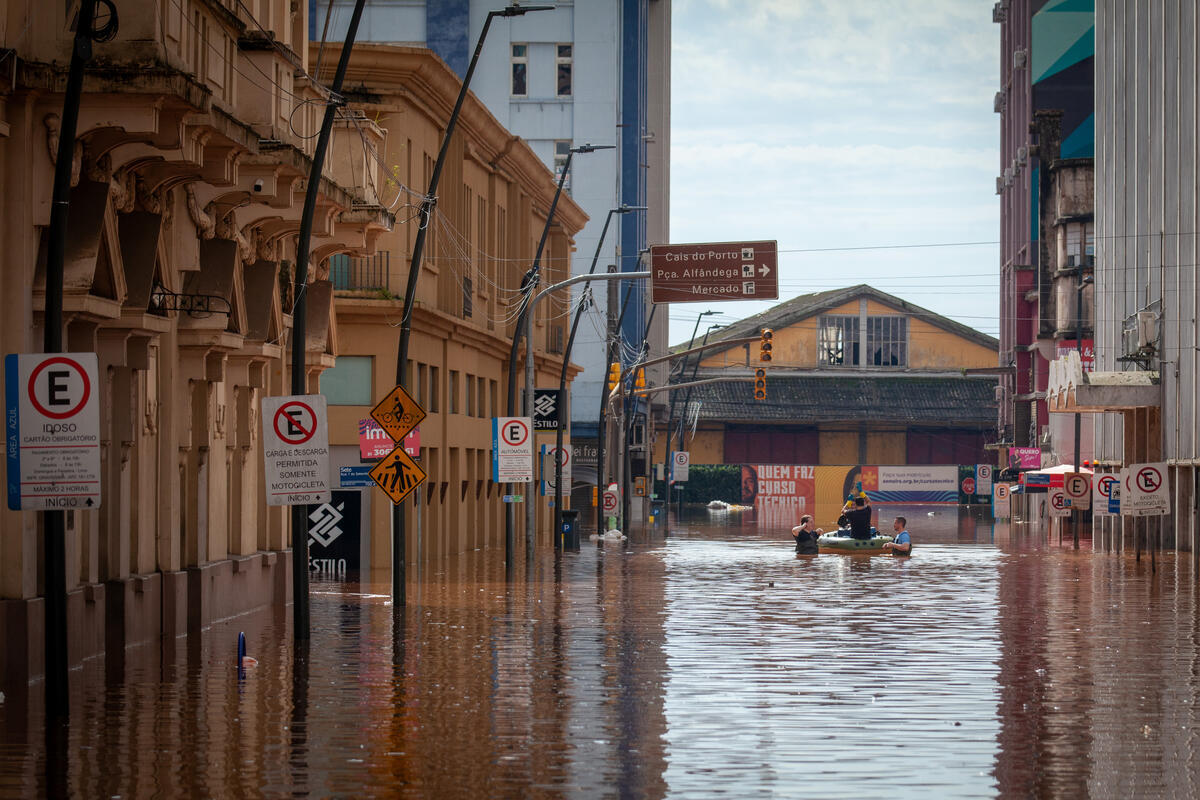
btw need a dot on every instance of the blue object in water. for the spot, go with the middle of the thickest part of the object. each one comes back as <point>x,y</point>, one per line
<point>241,655</point>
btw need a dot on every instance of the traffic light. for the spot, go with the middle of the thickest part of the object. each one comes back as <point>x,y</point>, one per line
<point>614,375</point>
<point>764,344</point>
<point>760,384</point>
<point>641,379</point>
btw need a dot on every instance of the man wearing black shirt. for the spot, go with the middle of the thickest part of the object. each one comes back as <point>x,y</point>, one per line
<point>859,518</point>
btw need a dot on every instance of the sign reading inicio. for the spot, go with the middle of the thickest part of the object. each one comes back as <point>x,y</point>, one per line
<point>702,273</point>
<point>1060,504</point>
<point>296,450</point>
<point>680,462</point>
<point>52,431</point>
<point>1148,492</point>
<point>1078,486</point>
<point>512,449</point>
<point>551,458</point>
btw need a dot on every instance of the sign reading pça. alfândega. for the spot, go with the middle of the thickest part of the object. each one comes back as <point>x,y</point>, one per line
<point>52,431</point>
<point>296,450</point>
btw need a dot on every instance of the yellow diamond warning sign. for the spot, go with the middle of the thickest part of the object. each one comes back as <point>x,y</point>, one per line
<point>398,413</point>
<point>397,474</point>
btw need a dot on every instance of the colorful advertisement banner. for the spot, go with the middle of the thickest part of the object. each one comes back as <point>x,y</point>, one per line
<point>788,492</point>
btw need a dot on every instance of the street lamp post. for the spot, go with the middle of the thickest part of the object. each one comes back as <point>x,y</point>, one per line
<point>602,428</point>
<point>1084,280</point>
<point>414,270</point>
<point>670,421</point>
<point>562,381</point>
<point>525,327</point>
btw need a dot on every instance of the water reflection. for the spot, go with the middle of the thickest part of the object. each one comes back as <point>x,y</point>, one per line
<point>710,662</point>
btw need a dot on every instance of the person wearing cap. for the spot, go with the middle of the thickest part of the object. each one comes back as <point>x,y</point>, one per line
<point>859,517</point>
<point>806,534</point>
<point>902,544</point>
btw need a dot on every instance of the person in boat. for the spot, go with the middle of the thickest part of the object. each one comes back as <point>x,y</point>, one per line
<point>902,544</point>
<point>859,517</point>
<point>806,534</point>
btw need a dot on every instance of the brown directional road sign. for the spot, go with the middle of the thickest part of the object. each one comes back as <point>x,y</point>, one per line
<point>704,273</point>
<point>397,474</point>
<point>398,413</point>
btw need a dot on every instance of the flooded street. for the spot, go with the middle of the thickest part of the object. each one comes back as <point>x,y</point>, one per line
<point>712,662</point>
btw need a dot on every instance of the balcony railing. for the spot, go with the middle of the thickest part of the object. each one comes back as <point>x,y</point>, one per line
<point>359,273</point>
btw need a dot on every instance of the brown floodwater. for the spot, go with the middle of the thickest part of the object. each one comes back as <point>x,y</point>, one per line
<point>710,662</point>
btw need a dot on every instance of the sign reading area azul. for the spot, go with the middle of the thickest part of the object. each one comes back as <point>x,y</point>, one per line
<point>52,430</point>
<point>701,273</point>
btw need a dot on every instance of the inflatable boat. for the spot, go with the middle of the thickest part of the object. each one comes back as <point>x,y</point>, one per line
<point>840,541</point>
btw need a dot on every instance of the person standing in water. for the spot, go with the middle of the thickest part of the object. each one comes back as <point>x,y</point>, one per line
<point>806,534</point>
<point>902,544</point>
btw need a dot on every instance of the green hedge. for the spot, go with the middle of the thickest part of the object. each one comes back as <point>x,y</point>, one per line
<point>708,482</point>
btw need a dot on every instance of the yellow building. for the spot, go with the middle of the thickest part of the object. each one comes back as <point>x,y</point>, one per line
<point>857,376</point>
<point>492,205</point>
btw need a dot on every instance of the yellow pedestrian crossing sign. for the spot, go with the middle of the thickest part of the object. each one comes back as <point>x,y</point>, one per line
<point>397,474</point>
<point>398,413</point>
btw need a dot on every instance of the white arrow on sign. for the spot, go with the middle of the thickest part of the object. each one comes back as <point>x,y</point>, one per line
<point>764,270</point>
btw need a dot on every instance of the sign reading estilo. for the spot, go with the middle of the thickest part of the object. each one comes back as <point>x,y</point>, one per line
<point>702,273</point>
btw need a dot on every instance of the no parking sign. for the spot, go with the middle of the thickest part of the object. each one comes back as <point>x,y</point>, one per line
<point>296,450</point>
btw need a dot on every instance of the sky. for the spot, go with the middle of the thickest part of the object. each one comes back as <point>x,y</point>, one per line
<point>830,125</point>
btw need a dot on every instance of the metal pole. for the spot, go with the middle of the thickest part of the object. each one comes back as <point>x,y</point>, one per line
<point>300,618</point>
<point>670,417</point>
<point>1075,515</point>
<point>414,271</point>
<point>58,703</point>
<point>614,324</point>
<point>562,380</point>
<point>530,510</point>
<point>687,399</point>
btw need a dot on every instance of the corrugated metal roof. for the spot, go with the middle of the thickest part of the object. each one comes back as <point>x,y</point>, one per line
<point>946,400</point>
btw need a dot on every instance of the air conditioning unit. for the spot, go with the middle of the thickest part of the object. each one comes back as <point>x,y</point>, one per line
<point>1147,329</point>
<point>1020,57</point>
<point>998,102</point>
<point>1022,154</point>
<point>1000,11</point>
<point>999,184</point>
<point>1008,176</point>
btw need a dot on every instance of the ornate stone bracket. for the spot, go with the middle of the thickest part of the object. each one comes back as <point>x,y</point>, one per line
<point>53,125</point>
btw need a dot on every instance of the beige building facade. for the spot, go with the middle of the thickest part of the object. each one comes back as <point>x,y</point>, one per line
<point>196,130</point>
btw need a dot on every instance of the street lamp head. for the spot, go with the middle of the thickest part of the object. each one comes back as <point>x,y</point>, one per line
<point>1086,279</point>
<point>626,209</point>
<point>518,11</point>
<point>591,148</point>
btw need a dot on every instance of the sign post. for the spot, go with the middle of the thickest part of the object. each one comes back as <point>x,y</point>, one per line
<point>1106,495</point>
<point>1149,493</point>
<point>702,273</point>
<point>52,426</point>
<point>680,461</point>
<point>296,450</point>
<point>512,449</point>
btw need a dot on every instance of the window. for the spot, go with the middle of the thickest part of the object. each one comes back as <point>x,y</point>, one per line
<point>468,289</point>
<point>433,390</point>
<point>349,382</point>
<point>564,62</point>
<point>520,70</point>
<point>453,388</point>
<point>887,341</point>
<point>469,390</point>
<point>562,154</point>
<point>837,340</point>
<point>421,387</point>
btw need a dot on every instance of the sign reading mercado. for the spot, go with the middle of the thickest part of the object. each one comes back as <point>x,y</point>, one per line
<point>702,273</point>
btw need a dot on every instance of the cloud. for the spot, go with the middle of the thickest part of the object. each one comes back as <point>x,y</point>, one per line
<point>839,122</point>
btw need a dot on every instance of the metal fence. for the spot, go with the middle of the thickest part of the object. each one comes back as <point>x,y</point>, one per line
<point>360,272</point>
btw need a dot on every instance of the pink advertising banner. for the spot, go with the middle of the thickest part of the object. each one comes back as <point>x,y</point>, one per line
<point>374,443</point>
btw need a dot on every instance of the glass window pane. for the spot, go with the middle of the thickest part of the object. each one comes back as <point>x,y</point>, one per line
<point>349,382</point>
<point>564,51</point>
<point>518,80</point>
<point>564,80</point>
